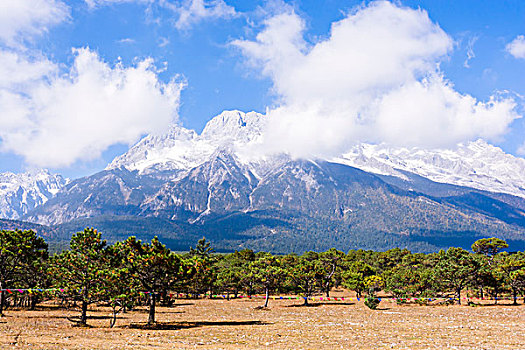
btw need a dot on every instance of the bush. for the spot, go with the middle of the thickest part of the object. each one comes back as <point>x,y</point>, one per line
<point>372,303</point>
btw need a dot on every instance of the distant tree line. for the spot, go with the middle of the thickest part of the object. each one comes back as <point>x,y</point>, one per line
<point>130,273</point>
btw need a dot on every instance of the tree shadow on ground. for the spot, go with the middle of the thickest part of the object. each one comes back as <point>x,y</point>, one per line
<point>41,307</point>
<point>181,304</point>
<point>319,304</point>
<point>193,324</point>
<point>472,304</point>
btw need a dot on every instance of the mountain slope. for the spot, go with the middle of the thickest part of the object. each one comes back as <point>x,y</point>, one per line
<point>109,192</point>
<point>373,197</point>
<point>217,186</point>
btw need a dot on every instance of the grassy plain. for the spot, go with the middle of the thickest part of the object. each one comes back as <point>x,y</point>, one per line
<point>239,324</point>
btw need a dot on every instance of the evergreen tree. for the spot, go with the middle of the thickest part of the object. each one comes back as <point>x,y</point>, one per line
<point>512,267</point>
<point>268,271</point>
<point>455,269</point>
<point>82,270</point>
<point>331,261</point>
<point>355,275</point>
<point>205,261</point>
<point>20,253</point>
<point>305,274</point>
<point>489,246</point>
<point>156,268</point>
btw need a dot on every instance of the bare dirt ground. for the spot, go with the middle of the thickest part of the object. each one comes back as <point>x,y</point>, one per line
<point>238,324</point>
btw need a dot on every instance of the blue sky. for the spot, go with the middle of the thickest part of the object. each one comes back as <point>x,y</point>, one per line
<point>207,59</point>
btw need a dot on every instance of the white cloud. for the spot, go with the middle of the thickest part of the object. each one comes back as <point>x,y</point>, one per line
<point>517,47</point>
<point>187,12</point>
<point>376,78</point>
<point>127,41</point>
<point>56,119</point>
<point>521,150</point>
<point>163,42</point>
<point>470,51</point>
<point>23,19</point>
<point>97,3</point>
<point>18,70</point>
<point>191,12</point>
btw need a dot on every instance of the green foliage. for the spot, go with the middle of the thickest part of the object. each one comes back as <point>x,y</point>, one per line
<point>305,274</point>
<point>372,302</point>
<point>489,246</point>
<point>130,272</point>
<point>82,270</point>
<point>411,277</point>
<point>155,268</point>
<point>234,272</point>
<point>268,272</point>
<point>354,277</point>
<point>511,267</point>
<point>204,262</point>
<point>22,254</point>
<point>455,269</point>
<point>332,261</point>
<point>203,249</point>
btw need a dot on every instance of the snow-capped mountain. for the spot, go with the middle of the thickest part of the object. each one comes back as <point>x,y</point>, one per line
<point>182,149</point>
<point>19,193</point>
<point>184,185</point>
<point>475,164</point>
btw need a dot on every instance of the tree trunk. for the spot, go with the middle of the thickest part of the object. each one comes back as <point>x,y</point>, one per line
<point>33,301</point>
<point>267,293</point>
<point>83,316</point>
<point>1,299</point>
<point>514,296</point>
<point>113,320</point>
<point>328,290</point>
<point>151,318</point>
<point>458,295</point>
<point>115,313</point>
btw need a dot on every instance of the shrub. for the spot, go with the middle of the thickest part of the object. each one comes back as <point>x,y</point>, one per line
<point>372,303</point>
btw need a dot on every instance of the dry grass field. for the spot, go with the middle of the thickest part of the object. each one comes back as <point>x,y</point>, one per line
<point>239,324</point>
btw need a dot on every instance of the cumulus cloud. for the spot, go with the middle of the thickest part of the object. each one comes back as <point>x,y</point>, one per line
<point>53,119</point>
<point>376,78</point>
<point>517,47</point>
<point>23,19</point>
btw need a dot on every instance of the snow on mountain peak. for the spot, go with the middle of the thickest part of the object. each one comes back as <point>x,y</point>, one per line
<point>183,149</point>
<point>234,125</point>
<point>20,193</point>
<point>474,164</point>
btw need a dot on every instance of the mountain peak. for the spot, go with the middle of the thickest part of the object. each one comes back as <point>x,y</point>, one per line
<point>234,125</point>
<point>182,149</point>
